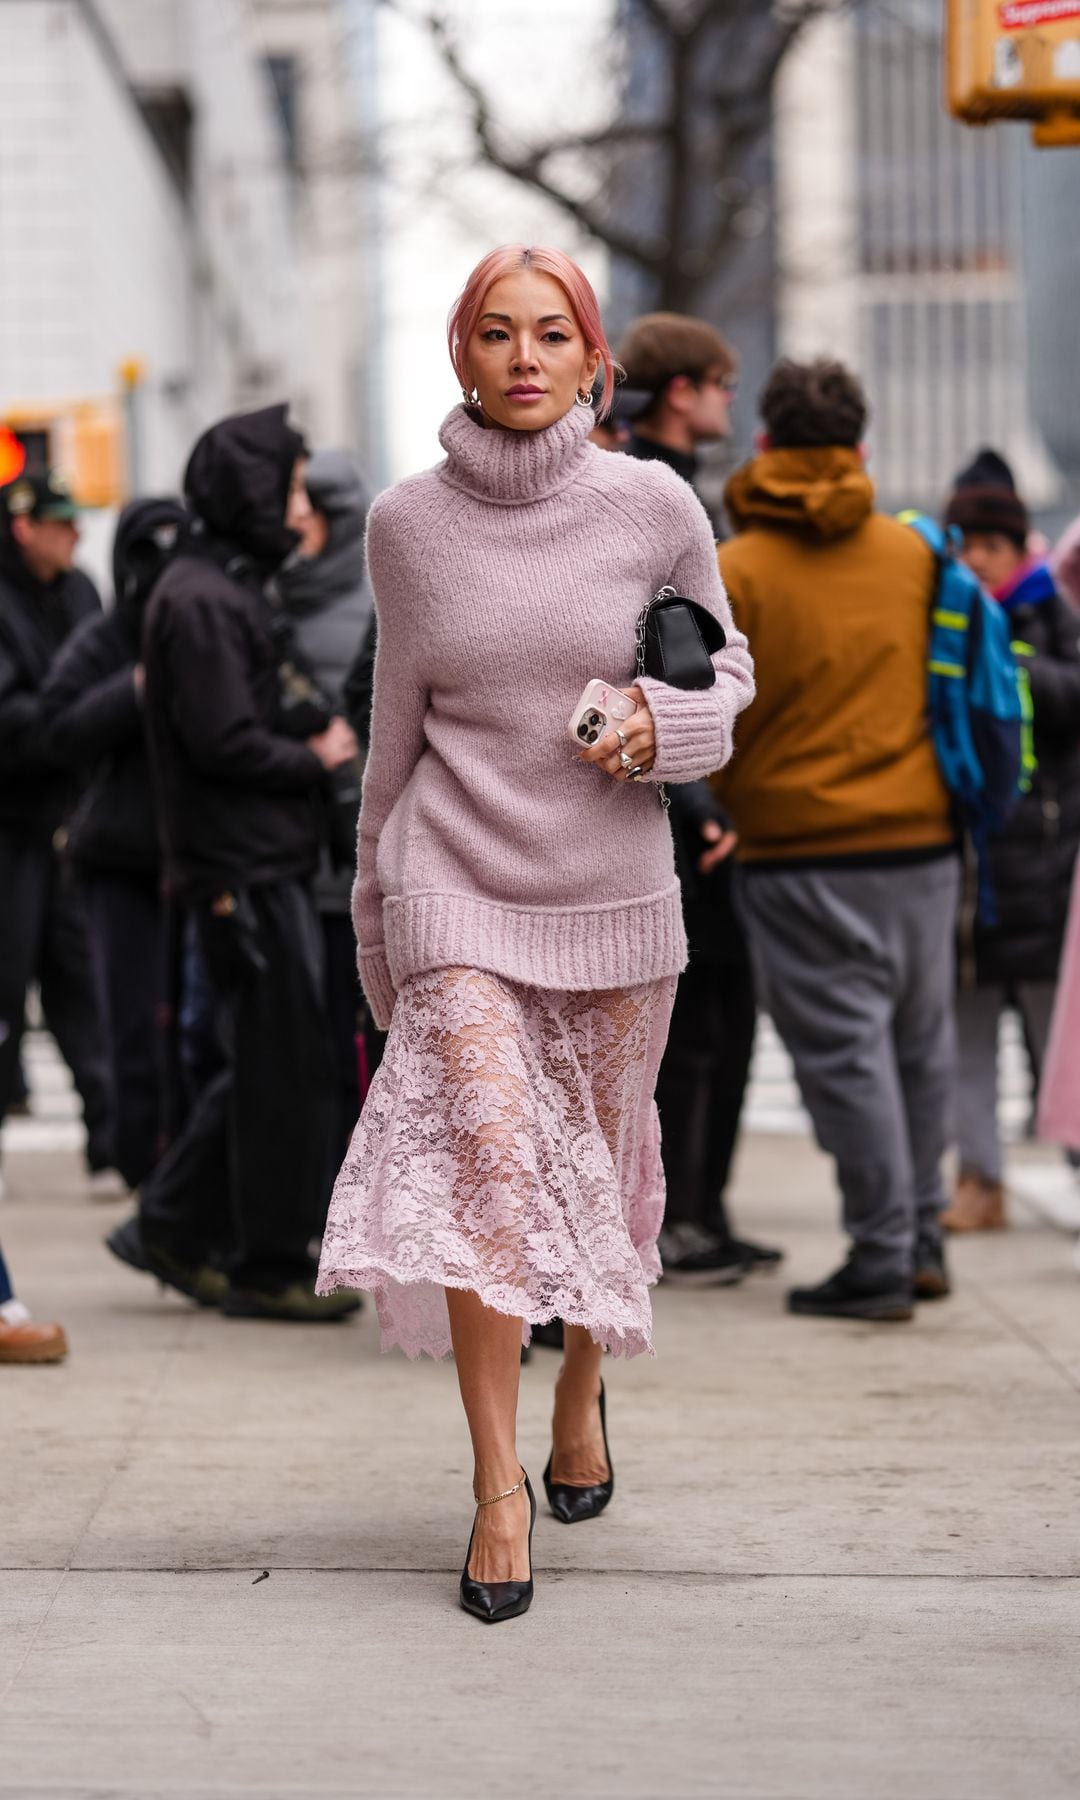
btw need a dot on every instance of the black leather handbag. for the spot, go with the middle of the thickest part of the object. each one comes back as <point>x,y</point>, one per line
<point>677,640</point>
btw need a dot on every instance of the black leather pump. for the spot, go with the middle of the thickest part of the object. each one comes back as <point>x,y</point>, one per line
<point>494,1601</point>
<point>573,1504</point>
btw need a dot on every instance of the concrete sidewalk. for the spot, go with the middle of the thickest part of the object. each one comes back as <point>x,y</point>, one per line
<point>843,1562</point>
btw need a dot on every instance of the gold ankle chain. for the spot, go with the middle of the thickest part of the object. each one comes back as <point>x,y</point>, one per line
<point>516,1489</point>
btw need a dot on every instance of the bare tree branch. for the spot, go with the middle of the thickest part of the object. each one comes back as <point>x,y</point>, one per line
<point>529,167</point>
<point>698,138</point>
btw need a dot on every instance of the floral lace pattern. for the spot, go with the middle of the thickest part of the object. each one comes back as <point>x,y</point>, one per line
<point>509,1145</point>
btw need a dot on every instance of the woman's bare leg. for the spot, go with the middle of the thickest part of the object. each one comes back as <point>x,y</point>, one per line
<point>487,1350</point>
<point>577,1437</point>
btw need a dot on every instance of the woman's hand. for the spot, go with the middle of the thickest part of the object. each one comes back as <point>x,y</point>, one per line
<point>628,747</point>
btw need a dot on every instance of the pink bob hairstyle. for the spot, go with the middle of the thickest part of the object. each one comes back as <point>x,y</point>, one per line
<point>507,260</point>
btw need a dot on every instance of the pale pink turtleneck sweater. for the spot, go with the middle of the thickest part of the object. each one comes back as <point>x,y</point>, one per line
<point>506,578</point>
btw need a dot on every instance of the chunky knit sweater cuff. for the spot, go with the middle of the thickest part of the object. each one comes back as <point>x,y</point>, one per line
<point>377,984</point>
<point>693,727</point>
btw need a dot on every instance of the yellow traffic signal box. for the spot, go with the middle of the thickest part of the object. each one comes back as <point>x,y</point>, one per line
<point>1016,59</point>
<point>83,439</point>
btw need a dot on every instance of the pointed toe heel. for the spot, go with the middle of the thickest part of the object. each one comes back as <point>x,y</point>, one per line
<point>494,1601</point>
<point>572,1505</point>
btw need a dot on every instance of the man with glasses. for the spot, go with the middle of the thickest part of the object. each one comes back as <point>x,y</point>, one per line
<point>689,370</point>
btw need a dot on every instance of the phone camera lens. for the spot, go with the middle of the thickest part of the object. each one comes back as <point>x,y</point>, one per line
<point>596,718</point>
<point>583,731</point>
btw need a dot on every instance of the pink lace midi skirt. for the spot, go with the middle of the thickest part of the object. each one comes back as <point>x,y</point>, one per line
<point>509,1145</point>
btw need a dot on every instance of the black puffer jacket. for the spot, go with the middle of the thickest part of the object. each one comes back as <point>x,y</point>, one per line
<point>1033,862</point>
<point>94,707</point>
<point>37,781</point>
<point>237,796</point>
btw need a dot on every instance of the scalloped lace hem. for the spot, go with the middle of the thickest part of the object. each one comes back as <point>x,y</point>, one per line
<point>627,1331</point>
<point>509,1146</point>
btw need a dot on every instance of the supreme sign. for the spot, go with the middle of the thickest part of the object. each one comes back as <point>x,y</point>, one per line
<point>1018,15</point>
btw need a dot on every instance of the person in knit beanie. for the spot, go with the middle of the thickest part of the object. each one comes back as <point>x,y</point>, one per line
<point>1014,963</point>
<point>517,909</point>
<point>995,525</point>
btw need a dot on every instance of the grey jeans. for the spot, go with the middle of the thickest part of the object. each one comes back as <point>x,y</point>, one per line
<point>856,968</point>
<point>978,1013</point>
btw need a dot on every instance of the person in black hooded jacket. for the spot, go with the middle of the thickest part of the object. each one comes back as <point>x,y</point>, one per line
<point>245,1183</point>
<point>93,699</point>
<point>42,930</point>
<point>327,608</point>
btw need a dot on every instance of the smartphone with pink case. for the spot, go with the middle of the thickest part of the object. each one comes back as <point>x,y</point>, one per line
<point>600,707</point>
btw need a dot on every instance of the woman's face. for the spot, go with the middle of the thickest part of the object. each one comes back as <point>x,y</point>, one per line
<point>527,357</point>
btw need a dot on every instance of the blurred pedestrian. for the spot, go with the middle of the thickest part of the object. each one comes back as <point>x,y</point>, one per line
<point>245,1182</point>
<point>325,593</point>
<point>690,371</point>
<point>1015,959</point>
<point>43,935</point>
<point>846,838</point>
<point>93,698</point>
<point>517,913</point>
<point>22,1339</point>
<point>687,371</point>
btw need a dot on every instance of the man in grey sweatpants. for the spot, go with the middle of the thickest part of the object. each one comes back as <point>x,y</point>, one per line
<point>857,970</point>
<point>850,876</point>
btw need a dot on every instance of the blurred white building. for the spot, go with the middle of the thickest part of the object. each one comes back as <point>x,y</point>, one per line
<point>178,201</point>
<point>905,246</point>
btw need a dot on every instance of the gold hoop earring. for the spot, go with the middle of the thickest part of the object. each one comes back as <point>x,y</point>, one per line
<point>472,399</point>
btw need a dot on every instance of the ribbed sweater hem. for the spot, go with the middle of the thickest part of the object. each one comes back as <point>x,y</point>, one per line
<point>620,944</point>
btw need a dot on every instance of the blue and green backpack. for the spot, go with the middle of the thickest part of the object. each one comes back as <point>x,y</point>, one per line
<point>979,703</point>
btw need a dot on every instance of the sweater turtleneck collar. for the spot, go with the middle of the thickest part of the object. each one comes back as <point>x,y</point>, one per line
<point>512,468</point>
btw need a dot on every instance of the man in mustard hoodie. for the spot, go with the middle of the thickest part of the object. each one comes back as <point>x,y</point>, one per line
<point>848,851</point>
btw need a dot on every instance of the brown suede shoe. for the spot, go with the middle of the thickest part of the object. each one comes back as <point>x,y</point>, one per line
<point>977,1205</point>
<point>32,1343</point>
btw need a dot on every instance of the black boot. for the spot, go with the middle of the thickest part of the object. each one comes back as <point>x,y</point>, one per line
<point>692,1257</point>
<point>193,1276</point>
<point>857,1291</point>
<point>756,1258</point>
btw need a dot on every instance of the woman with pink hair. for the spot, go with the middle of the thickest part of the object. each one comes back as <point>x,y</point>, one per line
<point>516,904</point>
